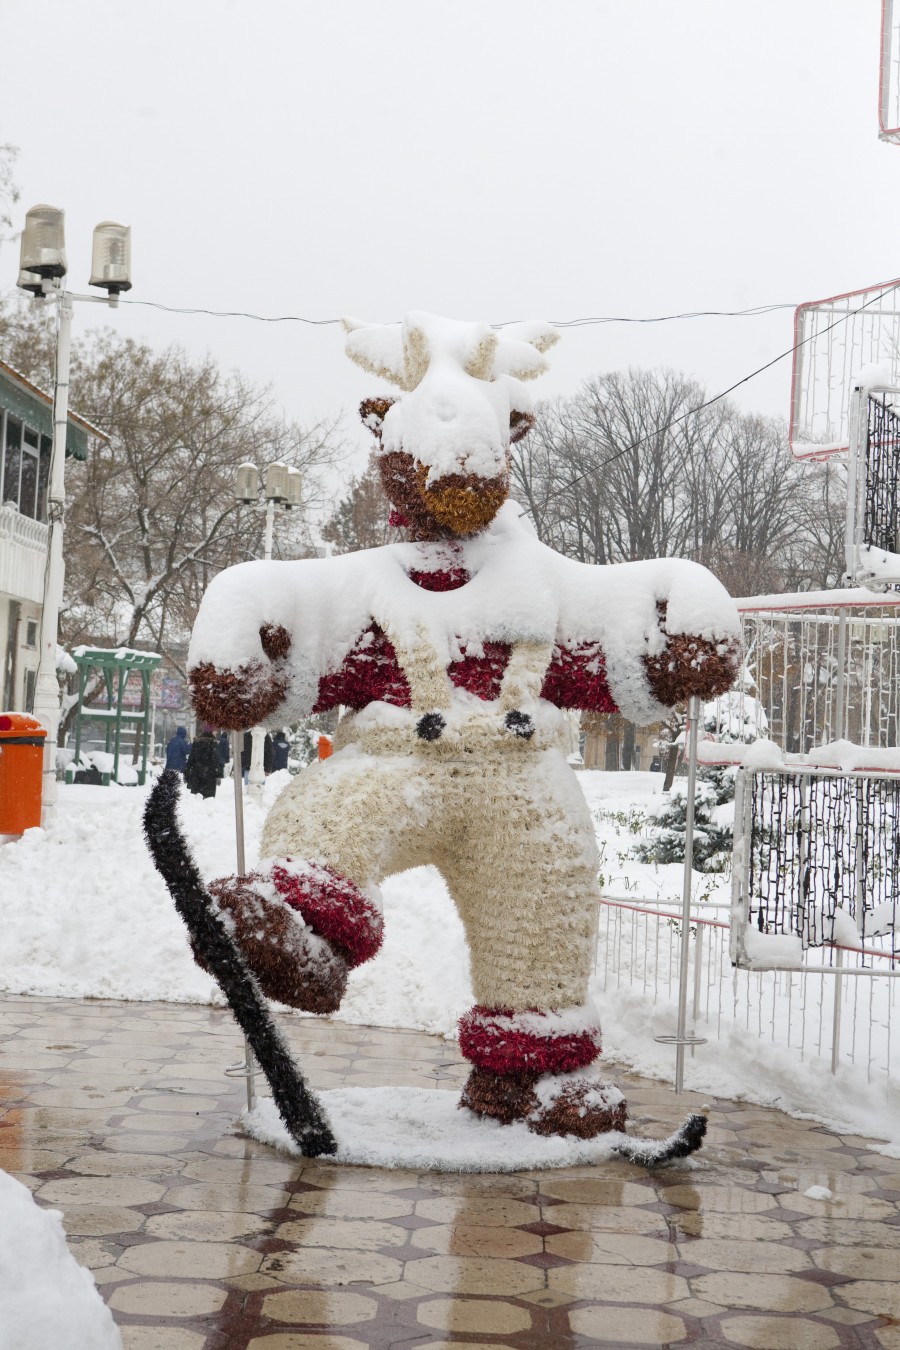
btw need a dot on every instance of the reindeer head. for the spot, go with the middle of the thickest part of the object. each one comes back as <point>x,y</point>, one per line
<point>444,444</point>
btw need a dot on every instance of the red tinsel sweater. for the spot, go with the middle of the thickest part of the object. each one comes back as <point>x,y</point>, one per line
<point>576,676</point>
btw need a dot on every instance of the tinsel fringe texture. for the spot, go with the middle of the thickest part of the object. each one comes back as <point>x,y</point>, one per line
<point>300,1110</point>
<point>236,699</point>
<point>456,506</point>
<point>574,1111</point>
<point>292,964</point>
<point>574,679</point>
<point>690,665</point>
<point>333,907</point>
<point>496,1039</point>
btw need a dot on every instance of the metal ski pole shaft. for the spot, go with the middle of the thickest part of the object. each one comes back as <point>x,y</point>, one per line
<point>681,1039</point>
<point>246,1070</point>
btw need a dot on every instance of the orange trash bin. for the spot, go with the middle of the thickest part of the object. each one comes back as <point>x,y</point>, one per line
<point>326,747</point>
<point>21,772</point>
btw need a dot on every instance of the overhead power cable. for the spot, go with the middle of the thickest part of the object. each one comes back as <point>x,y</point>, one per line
<point>583,322</point>
<point>716,398</point>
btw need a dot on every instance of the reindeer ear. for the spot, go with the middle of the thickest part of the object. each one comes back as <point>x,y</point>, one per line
<point>520,350</point>
<point>378,348</point>
<point>536,332</point>
<point>373,411</point>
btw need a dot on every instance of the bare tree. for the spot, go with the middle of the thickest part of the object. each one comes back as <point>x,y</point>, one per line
<point>152,515</point>
<point>635,466</point>
<point>615,472</point>
<point>9,192</point>
<point>361,518</point>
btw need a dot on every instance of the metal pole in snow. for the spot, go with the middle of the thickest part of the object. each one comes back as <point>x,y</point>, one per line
<point>681,1039</point>
<point>248,1068</point>
<point>693,712</point>
<point>840,693</point>
<point>256,777</point>
<point>46,695</point>
<point>836,1021</point>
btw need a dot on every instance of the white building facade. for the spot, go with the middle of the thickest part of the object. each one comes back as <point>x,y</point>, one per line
<point>26,429</point>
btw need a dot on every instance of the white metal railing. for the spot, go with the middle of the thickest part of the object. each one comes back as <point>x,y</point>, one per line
<point>827,1014</point>
<point>23,552</point>
<point>824,673</point>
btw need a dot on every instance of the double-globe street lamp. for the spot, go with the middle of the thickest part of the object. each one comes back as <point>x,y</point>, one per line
<point>42,271</point>
<point>282,489</point>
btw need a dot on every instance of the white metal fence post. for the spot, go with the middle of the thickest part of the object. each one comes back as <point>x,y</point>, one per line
<point>836,1017</point>
<point>681,1039</point>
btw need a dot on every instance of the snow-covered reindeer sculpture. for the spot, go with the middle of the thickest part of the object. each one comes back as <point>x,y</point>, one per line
<point>453,656</point>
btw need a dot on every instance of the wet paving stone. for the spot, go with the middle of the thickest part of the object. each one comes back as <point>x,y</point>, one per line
<point>200,1239</point>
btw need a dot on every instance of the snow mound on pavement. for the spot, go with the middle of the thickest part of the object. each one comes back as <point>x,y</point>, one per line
<point>46,1298</point>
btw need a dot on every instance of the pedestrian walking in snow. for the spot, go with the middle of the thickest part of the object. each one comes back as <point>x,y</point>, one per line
<point>177,750</point>
<point>223,744</point>
<point>280,750</point>
<point>201,772</point>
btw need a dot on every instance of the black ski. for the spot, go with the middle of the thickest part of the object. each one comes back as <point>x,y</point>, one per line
<point>300,1110</point>
<point>654,1152</point>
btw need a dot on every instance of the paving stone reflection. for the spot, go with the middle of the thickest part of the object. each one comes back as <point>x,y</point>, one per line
<point>200,1239</point>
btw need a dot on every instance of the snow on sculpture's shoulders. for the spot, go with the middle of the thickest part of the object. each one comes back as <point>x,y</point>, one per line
<point>46,1298</point>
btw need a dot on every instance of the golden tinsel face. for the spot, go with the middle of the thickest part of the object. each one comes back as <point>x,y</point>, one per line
<point>462,503</point>
<point>457,505</point>
<point>454,507</point>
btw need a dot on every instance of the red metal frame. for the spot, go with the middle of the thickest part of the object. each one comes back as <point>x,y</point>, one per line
<point>818,455</point>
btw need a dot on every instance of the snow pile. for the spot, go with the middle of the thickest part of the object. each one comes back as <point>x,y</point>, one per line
<point>819,1193</point>
<point>46,1299</point>
<point>773,951</point>
<point>424,1127</point>
<point>764,756</point>
<point>877,565</point>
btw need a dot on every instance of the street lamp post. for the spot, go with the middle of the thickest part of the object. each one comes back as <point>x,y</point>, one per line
<point>282,488</point>
<point>42,271</point>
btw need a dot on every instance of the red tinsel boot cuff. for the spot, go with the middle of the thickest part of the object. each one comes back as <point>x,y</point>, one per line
<point>332,906</point>
<point>505,1042</point>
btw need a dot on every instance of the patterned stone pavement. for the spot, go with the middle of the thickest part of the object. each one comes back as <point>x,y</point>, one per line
<point>119,1115</point>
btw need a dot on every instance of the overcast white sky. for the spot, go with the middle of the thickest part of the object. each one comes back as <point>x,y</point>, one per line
<point>490,159</point>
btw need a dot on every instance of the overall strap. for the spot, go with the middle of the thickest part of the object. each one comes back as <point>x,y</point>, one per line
<point>524,676</point>
<point>430,688</point>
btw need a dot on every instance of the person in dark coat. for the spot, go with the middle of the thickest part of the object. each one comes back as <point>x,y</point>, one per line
<point>177,750</point>
<point>223,742</point>
<point>202,771</point>
<point>280,750</point>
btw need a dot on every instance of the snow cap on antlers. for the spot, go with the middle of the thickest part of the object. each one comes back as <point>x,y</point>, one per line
<point>404,352</point>
<point>461,380</point>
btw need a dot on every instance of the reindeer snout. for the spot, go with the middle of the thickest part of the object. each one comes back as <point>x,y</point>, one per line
<point>465,503</point>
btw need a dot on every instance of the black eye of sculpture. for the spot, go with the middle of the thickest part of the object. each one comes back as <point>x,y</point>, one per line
<point>430,727</point>
<point>520,724</point>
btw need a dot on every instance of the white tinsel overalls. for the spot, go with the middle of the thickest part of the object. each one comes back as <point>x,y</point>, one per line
<point>483,791</point>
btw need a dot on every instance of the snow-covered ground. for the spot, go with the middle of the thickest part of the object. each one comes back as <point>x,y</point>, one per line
<point>84,914</point>
<point>46,1298</point>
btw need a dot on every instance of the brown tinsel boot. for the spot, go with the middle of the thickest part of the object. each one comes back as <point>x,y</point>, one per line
<point>503,1097</point>
<point>567,1103</point>
<point>291,963</point>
